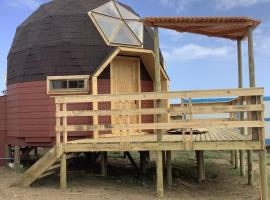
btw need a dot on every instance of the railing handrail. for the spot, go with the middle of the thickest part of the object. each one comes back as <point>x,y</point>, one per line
<point>161,95</point>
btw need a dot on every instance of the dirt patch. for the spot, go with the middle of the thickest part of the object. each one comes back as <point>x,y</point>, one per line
<point>123,182</point>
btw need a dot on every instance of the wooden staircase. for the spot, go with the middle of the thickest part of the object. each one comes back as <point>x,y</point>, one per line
<point>42,168</point>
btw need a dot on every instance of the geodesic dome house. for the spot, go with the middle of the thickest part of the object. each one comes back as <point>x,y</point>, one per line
<point>59,49</point>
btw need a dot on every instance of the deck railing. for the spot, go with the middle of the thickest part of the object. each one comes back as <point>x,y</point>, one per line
<point>123,123</point>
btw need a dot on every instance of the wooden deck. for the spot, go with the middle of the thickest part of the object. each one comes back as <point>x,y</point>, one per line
<point>213,139</point>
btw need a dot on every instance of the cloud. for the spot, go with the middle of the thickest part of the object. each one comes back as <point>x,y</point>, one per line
<point>30,4</point>
<point>179,5</point>
<point>193,52</point>
<point>230,4</point>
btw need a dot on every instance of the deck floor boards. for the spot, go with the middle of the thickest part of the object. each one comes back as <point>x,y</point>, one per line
<point>212,135</point>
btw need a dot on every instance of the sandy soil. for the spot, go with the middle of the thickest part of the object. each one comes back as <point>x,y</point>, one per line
<point>123,183</point>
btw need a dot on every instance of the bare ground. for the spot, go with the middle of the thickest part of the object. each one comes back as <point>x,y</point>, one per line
<point>124,183</point>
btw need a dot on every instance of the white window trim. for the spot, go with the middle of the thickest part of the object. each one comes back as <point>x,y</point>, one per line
<point>84,90</point>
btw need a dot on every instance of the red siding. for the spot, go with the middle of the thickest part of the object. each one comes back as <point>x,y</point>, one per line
<point>31,112</point>
<point>3,129</point>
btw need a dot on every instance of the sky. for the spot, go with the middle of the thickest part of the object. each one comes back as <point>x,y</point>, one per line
<point>192,61</point>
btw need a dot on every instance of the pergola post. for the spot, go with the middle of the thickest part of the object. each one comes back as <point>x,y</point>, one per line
<point>159,162</point>
<point>240,85</point>
<point>262,153</point>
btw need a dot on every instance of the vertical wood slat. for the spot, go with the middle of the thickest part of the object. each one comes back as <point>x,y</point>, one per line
<point>58,133</point>
<point>65,137</point>
<point>190,117</point>
<point>127,123</point>
<point>183,118</point>
<point>95,106</point>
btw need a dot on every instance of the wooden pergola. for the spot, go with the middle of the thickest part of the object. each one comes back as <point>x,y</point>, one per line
<point>233,28</point>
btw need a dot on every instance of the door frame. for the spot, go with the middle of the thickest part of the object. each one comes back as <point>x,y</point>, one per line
<point>127,58</point>
<point>132,59</point>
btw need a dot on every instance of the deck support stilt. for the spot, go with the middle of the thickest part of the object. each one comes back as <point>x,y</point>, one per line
<point>143,161</point>
<point>7,154</point>
<point>200,165</point>
<point>104,161</point>
<point>236,160</point>
<point>232,158</point>
<point>63,171</point>
<point>17,159</point>
<point>249,167</point>
<point>242,161</point>
<point>169,167</point>
<point>263,174</point>
<point>159,172</point>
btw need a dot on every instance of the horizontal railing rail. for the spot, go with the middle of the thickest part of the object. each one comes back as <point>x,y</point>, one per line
<point>123,121</point>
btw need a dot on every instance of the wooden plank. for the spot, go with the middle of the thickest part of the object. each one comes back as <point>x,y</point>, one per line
<point>263,174</point>
<point>95,105</point>
<point>171,111</point>
<point>63,171</point>
<point>37,169</point>
<point>104,163</point>
<point>17,158</point>
<point>161,95</point>
<point>202,123</point>
<point>166,146</point>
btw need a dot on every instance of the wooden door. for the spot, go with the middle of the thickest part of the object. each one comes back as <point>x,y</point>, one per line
<point>125,78</point>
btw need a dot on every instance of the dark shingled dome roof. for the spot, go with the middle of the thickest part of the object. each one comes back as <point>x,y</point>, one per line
<point>59,38</point>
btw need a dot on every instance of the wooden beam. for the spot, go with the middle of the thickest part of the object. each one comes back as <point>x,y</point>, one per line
<point>132,161</point>
<point>200,166</point>
<point>169,167</point>
<point>240,85</point>
<point>236,161</point>
<point>63,171</point>
<point>159,172</point>
<point>95,104</point>
<point>159,162</point>
<point>202,109</point>
<point>240,67</point>
<point>164,146</point>
<point>104,163</point>
<point>161,95</point>
<point>263,174</point>
<point>17,158</point>
<point>143,161</point>
<point>251,84</point>
<point>106,62</point>
<point>196,123</point>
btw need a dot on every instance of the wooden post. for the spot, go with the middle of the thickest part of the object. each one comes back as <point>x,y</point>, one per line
<point>236,161</point>
<point>104,161</point>
<point>8,154</point>
<point>63,171</point>
<point>17,159</point>
<point>251,84</point>
<point>232,158</point>
<point>240,85</point>
<point>200,165</point>
<point>263,174</point>
<point>159,171</point>
<point>169,167</point>
<point>159,161</point>
<point>262,153</point>
<point>143,162</point>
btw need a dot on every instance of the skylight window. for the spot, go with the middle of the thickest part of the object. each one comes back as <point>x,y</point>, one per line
<point>118,25</point>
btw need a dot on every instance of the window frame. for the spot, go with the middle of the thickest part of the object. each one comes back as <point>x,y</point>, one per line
<point>83,90</point>
<point>108,40</point>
